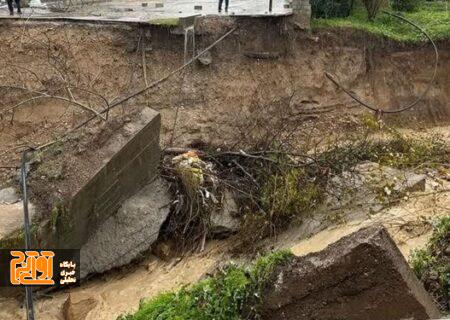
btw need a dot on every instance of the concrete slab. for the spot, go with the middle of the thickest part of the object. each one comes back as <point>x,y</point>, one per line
<point>130,160</point>
<point>133,11</point>
<point>128,233</point>
<point>361,277</point>
<point>9,196</point>
<point>11,217</point>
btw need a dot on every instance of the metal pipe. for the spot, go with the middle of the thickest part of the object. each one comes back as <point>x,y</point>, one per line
<point>26,225</point>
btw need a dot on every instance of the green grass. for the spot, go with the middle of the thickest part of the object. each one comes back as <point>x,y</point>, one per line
<point>286,194</point>
<point>232,294</point>
<point>432,263</point>
<point>15,240</point>
<point>433,17</point>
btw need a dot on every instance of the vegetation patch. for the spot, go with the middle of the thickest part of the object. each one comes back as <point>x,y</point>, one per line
<point>274,186</point>
<point>234,293</point>
<point>405,5</point>
<point>288,193</point>
<point>394,150</point>
<point>15,240</point>
<point>292,189</point>
<point>432,263</point>
<point>432,16</point>
<point>330,9</point>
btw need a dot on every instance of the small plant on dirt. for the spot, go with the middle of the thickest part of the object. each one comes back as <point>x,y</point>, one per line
<point>58,213</point>
<point>234,293</point>
<point>289,194</point>
<point>14,240</point>
<point>370,123</point>
<point>403,152</point>
<point>394,150</point>
<point>432,264</point>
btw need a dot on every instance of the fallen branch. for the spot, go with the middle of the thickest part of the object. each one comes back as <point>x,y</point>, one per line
<point>43,95</point>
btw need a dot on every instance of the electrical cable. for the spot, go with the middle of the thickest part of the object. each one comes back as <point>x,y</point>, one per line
<point>402,108</point>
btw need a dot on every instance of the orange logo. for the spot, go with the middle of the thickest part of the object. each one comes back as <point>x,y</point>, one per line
<point>31,268</point>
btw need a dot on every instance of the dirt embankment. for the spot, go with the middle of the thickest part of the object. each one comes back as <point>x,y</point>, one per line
<point>95,65</point>
<point>208,103</point>
<point>74,63</point>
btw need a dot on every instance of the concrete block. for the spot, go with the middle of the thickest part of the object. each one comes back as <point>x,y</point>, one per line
<point>133,161</point>
<point>129,232</point>
<point>361,277</point>
<point>9,196</point>
<point>11,216</point>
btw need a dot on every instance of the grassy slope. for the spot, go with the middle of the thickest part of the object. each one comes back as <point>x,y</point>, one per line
<point>433,17</point>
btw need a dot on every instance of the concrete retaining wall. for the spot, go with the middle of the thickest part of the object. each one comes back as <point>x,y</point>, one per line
<point>134,161</point>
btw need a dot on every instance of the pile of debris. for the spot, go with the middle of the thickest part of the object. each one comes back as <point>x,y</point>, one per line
<point>202,206</point>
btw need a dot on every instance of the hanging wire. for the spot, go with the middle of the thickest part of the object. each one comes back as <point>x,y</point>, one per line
<point>421,96</point>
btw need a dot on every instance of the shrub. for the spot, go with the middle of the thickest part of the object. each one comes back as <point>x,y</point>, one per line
<point>331,8</point>
<point>432,263</point>
<point>288,194</point>
<point>372,8</point>
<point>397,151</point>
<point>405,5</point>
